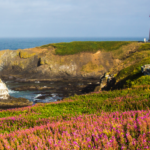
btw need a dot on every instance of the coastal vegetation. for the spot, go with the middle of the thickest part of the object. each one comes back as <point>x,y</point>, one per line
<point>100,120</point>
<point>77,47</point>
<point>115,119</point>
<point>132,76</point>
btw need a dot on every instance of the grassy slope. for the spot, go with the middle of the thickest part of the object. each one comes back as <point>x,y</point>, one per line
<point>87,104</point>
<point>132,75</point>
<point>77,47</point>
<point>134,98</point>
<point>95,103</point>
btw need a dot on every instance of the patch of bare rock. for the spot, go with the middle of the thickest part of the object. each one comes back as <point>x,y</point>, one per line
<point>32,88</point>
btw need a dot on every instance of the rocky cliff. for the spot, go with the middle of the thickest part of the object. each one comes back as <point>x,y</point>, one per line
<point>43,63</point>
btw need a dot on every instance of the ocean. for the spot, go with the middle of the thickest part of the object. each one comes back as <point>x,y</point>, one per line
<point>22,43</point>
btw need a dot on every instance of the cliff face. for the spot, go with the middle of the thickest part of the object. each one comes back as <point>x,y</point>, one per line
<point>43,63</point>
<point>4,95</point>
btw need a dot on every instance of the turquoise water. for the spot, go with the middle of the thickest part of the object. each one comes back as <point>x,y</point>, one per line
<point>34,96</point>
<point>22,43</point>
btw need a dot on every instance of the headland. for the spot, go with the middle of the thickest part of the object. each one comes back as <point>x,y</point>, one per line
<point>65,60</point>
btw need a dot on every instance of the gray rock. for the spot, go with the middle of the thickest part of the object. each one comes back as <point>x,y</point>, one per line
<point>146,69</point>
<point>97,88</point>
<point>107,81</point>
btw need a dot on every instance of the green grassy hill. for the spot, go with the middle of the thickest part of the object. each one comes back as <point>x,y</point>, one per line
<point>77,47</point>
<point>132,76</point>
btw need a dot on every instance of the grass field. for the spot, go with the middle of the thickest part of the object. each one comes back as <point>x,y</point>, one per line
<point>101,120</point>
<point>77,47</point>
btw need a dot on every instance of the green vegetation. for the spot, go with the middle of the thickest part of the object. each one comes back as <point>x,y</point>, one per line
<point>132,75</point>
<point>77,47</point>
<point>144,47</point>
<point>117,100</point>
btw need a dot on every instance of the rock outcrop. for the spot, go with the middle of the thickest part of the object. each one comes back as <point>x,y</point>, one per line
<point>106,82</point>
<point>146,69</point>
<point>44,64</point>
<point>3,91</point>
<point>6,101</point>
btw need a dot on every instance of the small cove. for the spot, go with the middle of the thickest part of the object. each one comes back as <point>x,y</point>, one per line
<point>58,92</point>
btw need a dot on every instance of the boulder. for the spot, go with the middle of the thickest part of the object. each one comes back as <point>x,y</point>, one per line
<point>146,69</point>
<point>107,81</point>
<point>3,91</point>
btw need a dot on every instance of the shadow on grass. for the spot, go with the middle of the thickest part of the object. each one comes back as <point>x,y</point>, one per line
<point>11,107</point>
<point>122,82</point>
<point>89,88</point>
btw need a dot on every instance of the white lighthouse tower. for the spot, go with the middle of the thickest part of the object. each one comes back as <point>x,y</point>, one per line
<point>149,34</point>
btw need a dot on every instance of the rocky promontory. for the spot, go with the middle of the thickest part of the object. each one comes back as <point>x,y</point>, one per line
<point>44,63</point>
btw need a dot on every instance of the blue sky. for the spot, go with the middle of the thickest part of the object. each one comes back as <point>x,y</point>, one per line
<point>74,18</point>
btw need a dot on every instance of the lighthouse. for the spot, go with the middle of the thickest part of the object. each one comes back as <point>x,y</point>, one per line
<point>149,34</point>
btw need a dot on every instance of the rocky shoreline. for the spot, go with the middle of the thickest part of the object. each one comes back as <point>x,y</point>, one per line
<point>68,87</point>
<point>22,79</point>
<point>46,87</point>
<point>6,101</point>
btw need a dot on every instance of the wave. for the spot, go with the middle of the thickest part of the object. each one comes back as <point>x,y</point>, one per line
<point>54,95</point>
<point>37,96</point>
<point>12,91</point>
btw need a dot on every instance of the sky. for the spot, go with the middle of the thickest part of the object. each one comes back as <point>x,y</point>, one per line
<point>74,18</point>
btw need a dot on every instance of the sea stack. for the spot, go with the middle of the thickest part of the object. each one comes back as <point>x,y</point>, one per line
<point>3,91</point>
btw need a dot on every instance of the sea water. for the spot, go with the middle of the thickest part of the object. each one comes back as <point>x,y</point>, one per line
<point>22,43</point>
<point>34,96</point>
